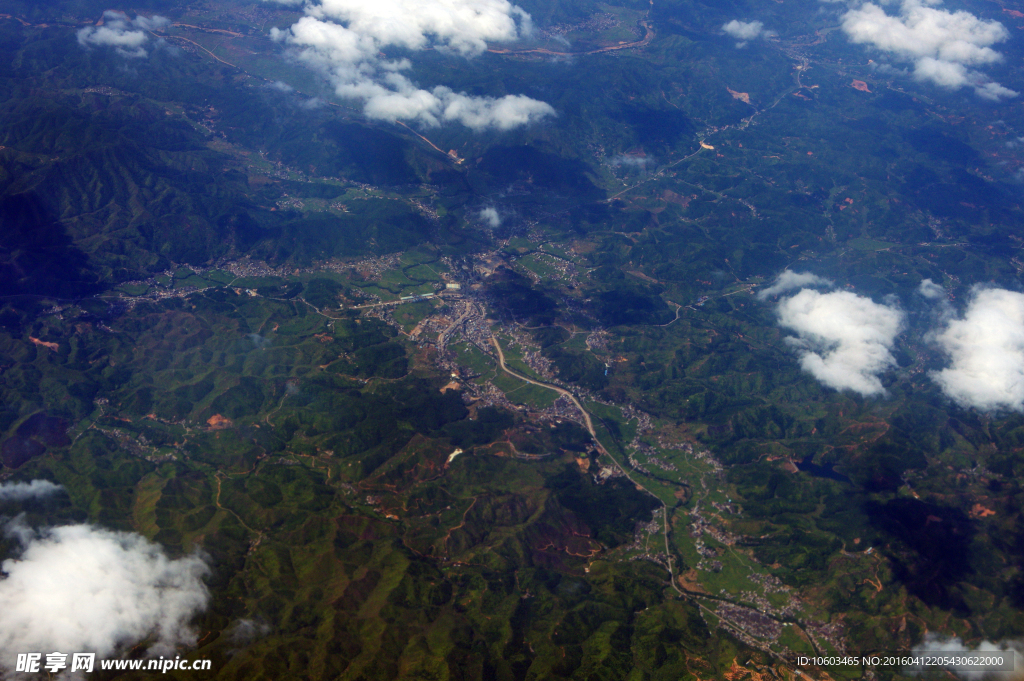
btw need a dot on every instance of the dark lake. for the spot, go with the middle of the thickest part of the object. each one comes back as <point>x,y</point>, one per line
<point>820,471</point>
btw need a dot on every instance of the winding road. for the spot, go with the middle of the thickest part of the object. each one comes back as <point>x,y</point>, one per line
<point>593,434</point>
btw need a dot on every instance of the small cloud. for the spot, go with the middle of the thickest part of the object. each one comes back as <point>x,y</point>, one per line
<point>885,69</point>
<point>844,340</point>
<point>994,92</point>
<point>245,631</point>
<point>281,86</point>
<point>153,23</point>
<point>986,351</point>
<point>259,341</point>
<point>21,491</point>
<point>490,217</point>
<point>789,280</point>
<point>80,588</point>
<point>744,30</point>
<point>118,31</point>
<point>630,161</point>
<point>936,644</point>
<point>930,290</point>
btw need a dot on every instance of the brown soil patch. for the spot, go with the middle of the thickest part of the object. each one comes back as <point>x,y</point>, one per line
<point>979,511</point>
<point>688,580</point>
<point>453,385</point>
<point>640,275</point>
<point>737,672</point>
<point>583,247</point>
<point>218,422</point>
<point>52,346</point>
<point>860,85</point>
<point>670,196</point>
<point>742,96</point>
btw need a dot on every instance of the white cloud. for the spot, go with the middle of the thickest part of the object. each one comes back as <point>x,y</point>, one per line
<point>789,280</point>
<point>153,23</point>
<point>986,349</point>
<point>460,25</point>
<point>943,45</point>
<point>930,290</point>
<point>491,217</point>
<point>935,644</point>
<point>312,103</point>
<point>20,491</point>
<point>344,40</point>
<point>629,161</point>
<point>118,31</point>
<point>744,30</point>
<point>80,588</point>
<point>245,631</point>
<point>994,92</point>
<point>844,339</point>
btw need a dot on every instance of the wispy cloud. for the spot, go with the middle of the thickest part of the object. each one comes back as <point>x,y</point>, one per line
<point>20,491</point>
<point>118,31</point>
<point>630,161</point>
<point>790,280</point>
<point>80,588</point>
<point>844,340</point>
<point>344,40</point>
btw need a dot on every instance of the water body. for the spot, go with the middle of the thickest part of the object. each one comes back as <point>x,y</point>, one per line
<point>820,471</point>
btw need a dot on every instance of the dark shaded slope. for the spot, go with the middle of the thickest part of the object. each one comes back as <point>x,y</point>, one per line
<point>36,254</point>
